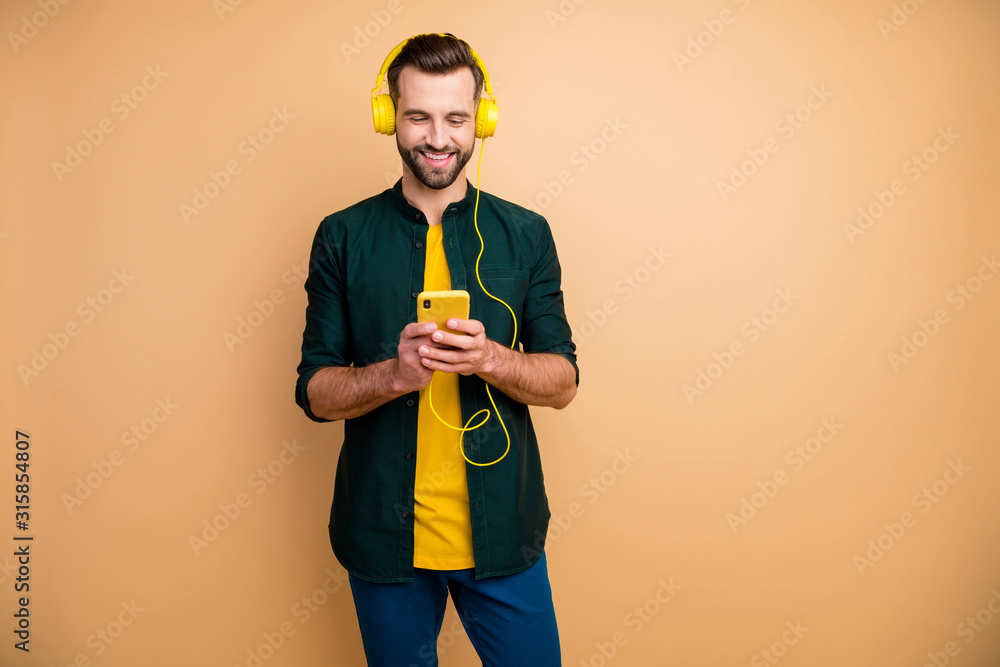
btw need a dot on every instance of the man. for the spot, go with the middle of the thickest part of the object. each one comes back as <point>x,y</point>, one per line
<point>411,518</point>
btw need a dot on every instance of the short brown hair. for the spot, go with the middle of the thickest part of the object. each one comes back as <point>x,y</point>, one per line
<point>434,54</point>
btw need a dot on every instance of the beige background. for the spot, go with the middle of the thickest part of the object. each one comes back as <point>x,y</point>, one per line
<point>646,479</point>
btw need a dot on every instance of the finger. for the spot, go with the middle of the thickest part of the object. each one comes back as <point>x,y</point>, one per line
<point>440,365</point>
<point>413,345</point>
<point>446,339</point>
<point>444,354</point>
<point>471,327</point>
<point>415,329</point>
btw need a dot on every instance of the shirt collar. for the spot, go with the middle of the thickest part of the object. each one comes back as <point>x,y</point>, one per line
<point>413,213</point>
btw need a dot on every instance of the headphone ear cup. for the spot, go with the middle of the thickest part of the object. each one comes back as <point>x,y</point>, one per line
<point>486,118</point>
<point>384,114</point>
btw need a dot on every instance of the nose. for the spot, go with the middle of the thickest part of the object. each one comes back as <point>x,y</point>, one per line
<point>438,134</point>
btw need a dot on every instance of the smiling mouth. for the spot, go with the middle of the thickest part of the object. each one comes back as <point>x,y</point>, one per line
<point>436,157</point>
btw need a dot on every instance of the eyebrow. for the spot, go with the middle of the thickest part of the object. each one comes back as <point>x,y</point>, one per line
<point>421,112</point>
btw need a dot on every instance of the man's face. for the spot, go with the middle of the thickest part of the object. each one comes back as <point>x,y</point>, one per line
<point>436,124</point>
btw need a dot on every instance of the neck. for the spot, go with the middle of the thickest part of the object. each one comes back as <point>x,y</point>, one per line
<point>432,203</point>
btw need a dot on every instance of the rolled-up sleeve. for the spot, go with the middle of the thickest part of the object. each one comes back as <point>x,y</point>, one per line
<point>326,338</point>
<point>545,328</point>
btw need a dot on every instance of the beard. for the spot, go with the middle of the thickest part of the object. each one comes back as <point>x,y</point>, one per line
<point>435,179</point>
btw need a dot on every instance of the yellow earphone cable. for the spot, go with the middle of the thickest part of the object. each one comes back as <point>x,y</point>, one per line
<point>482,247</point>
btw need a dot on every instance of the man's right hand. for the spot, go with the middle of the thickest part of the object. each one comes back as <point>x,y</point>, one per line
<point>411,374</point>
<point>345,392</point>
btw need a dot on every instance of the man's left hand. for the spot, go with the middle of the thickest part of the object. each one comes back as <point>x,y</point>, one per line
<point>468,354</point>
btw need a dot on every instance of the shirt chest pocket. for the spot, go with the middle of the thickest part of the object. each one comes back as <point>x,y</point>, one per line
<point>508,284</point>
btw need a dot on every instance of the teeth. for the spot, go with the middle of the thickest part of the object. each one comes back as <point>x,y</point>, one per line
<point>437,156</point>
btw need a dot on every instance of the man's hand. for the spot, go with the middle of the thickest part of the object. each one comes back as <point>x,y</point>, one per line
<point>453,353</point>
<point>345,392</point>
<point>411,373</point>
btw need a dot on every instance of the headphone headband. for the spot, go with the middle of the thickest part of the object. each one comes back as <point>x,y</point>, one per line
<point>384,110</point>
<point>379,81</point>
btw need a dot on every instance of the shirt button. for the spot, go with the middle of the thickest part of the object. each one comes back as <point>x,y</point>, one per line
<point>414,295</point>
<point>405,515</point>
<point>408,456</point>
<point>419,244</point>
<point>409,403</point>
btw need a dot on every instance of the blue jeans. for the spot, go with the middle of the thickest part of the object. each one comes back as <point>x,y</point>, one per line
<point>510,619</point>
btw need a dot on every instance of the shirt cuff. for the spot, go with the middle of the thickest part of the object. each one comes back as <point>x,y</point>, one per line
<point>302,395</point>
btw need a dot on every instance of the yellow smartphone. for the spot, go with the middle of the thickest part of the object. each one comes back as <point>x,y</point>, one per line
<point>439,307</point>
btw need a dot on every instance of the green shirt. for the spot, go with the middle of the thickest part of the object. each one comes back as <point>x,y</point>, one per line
<point>366,270</point>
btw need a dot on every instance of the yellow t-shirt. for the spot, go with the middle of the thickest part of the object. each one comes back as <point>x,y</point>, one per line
<point>442,530</point>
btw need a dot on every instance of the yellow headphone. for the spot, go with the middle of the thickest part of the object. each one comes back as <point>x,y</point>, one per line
<point>384,111</point>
